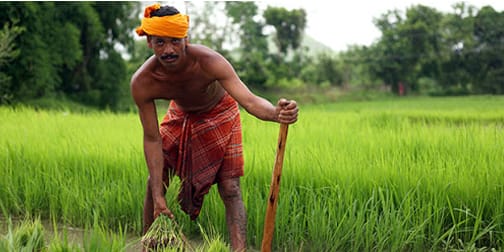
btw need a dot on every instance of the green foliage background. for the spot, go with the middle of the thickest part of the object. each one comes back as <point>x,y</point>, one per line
<point>86,52</point>
<point>68,49</point>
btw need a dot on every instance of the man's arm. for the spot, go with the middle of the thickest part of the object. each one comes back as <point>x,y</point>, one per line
<point>284,112</point>
<point>152,144</point>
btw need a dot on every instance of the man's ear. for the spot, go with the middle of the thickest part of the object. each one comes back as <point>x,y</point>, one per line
<point>149,40</point>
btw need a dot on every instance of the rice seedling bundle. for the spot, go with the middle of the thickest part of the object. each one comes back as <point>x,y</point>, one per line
<point>163,233</point>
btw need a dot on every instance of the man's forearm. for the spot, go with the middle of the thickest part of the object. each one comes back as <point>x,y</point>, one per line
<point>154,157</point>
<point>262,109</point>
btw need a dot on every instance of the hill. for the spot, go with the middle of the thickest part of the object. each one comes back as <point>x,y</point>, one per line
<point>314,47</point>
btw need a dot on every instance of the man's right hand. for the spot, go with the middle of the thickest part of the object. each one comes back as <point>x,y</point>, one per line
<point>287,111</point>
<point>160,208</point>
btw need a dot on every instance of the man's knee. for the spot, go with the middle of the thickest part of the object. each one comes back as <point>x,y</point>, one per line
<point>229,189</point>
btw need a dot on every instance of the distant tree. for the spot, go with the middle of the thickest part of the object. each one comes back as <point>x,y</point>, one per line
<point>35,71</point>
<point>409,46</point>
<point>138,56</point>
<point>102,26</point>
<point>8,52</point>
<point>357,64</point>
<point>422,32</point>
<point>253,46</point>
<point>489,33</point>
<point>458,48</point>
<point>390,60</point>
<point>210,27</point>
<point>66,48</point>
<point>8,49</point>
<point>290,59</point>
<point>289,27</point>
<point>328,70</point>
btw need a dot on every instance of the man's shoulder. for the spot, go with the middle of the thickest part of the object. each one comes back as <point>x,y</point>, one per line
<point>202,51</point>
<point>143,72</point>
<point>208,59</point>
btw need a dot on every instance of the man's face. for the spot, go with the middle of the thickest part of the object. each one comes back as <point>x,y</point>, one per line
<point>168,50</point>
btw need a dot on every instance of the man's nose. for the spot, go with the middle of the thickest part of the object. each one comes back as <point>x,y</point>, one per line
<point>168,49</point>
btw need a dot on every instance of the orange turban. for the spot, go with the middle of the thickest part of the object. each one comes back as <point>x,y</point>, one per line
<point>175,26</point>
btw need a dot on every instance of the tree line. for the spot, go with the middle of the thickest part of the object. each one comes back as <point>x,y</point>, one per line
<point>87,51</point>
<point>436,53</point>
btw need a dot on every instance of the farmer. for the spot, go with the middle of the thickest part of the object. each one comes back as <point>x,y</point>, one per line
<point>199,138</point>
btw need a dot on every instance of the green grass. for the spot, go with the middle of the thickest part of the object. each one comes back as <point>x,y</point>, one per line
<point>414,174</point>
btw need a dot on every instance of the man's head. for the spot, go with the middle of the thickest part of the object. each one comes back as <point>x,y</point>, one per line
<point>164,21</point>
<point>164,11</point>
<point>166,31</point>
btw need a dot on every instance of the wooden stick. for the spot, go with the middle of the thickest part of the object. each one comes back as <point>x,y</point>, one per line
<point>269,221</point>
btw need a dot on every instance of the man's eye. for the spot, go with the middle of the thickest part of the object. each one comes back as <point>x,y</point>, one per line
<point>160,42</point>
<point>176,41</point>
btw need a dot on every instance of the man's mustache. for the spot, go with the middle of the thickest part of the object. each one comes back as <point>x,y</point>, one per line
<point>168,55</point>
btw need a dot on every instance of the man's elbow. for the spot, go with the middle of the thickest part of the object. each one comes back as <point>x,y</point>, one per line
<point>152,139</point>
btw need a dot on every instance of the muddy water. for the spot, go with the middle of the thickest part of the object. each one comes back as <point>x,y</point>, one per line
<point>75,236</point>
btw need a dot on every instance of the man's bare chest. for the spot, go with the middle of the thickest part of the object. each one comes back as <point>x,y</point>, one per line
<point>180,88</point>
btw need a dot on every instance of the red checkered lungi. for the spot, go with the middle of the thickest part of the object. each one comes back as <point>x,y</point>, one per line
<point>202,149</point>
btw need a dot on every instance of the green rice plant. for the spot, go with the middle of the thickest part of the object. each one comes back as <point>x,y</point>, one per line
<point>417,174</point>
<point>62,244</point>
<point>99,238</point>
<point>28,236</point>
<point>213,241</point>
<point>217,245</point>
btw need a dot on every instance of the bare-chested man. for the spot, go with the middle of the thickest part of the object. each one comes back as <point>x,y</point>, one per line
<point>200,137</point>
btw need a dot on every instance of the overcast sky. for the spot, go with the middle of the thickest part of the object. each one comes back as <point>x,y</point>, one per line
<point>351,22</point>
<point>338,24</point>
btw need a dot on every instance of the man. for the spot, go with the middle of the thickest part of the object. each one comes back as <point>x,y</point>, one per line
<point>199,139</point>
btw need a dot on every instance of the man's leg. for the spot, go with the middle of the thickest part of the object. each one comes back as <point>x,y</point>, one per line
<point>236,217</point>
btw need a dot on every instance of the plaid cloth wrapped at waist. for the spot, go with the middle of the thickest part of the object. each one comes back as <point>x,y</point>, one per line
<point>202,149</point>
